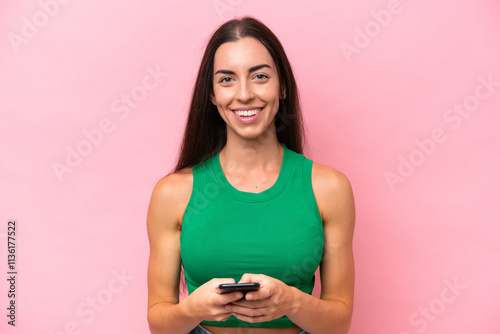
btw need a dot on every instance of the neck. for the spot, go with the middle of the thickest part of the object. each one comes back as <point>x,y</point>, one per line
<point>243,155</point>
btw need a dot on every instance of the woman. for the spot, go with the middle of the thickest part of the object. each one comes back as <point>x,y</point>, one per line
<point>244,205</point>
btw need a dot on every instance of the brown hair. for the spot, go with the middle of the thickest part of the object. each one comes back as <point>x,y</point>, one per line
<point>206,133</point>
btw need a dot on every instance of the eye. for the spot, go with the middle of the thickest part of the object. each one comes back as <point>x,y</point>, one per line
<point>261,76</point>
<point>222,80</point>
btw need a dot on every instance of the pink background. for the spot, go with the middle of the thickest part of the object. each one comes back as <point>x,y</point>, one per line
<point>379,81</point>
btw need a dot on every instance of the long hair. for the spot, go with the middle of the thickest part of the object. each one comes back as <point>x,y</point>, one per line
<point>206,133</point>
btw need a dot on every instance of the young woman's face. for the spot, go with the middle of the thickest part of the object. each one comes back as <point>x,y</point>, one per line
<point>245,78</point>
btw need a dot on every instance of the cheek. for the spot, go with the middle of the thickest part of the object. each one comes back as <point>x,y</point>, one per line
<point>222,97</point>
<point>221,112</point>
<point>269,95</point>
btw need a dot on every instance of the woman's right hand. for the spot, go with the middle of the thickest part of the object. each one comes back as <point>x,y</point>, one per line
<point>205,303</point>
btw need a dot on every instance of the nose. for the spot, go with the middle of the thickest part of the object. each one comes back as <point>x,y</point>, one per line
<point>245,92</point>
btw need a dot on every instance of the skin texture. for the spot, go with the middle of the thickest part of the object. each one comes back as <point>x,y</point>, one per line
<point>252,150</point>
<point>251,161</point>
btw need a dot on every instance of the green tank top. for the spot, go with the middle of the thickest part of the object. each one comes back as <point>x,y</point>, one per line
<point>277,232</point>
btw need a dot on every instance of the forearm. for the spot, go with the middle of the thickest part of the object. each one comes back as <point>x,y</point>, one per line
<point>171,318</point>
<point>319,316</point>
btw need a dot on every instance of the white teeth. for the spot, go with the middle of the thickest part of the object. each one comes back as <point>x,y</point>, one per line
<point>247,112</point>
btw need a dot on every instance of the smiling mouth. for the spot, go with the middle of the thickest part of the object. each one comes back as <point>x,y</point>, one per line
<point>247,113</point>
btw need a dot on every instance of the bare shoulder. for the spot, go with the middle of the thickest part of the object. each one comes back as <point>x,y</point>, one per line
<point>332,190</point>
<point>171,195</point>
<point>326,174</point>
<point>177,184</point>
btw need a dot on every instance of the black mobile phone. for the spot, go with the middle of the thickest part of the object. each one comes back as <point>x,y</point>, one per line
<point>243,287</point>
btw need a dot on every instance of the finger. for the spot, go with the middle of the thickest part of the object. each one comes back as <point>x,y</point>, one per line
<point>230,297</point>
<point>252,311</point>
<point>222,314</point>
<point>249,303</point>
<point>262,293</point>
<point>252,319</point>
<point>248,278</point>
<point>215,282</point>
<point>253,296</point>
<point>218,281</point>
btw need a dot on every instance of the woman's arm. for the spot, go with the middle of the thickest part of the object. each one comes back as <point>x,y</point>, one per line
<point>165,313</point>
<point>333,312</point>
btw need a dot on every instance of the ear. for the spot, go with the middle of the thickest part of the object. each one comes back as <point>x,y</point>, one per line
<point>212,99</point>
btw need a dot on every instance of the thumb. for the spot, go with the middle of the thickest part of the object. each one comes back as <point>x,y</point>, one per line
<point>214,282</point>
<point>223,280</point>
<point>249,278</point>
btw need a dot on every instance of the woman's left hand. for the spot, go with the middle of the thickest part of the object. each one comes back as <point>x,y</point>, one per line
<point>273,300</point>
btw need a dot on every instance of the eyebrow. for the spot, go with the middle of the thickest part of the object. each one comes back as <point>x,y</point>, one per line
<point>251,69</point>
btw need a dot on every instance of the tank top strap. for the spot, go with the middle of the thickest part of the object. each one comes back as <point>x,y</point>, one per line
<point>199,177</point>
<point>307,186</point>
